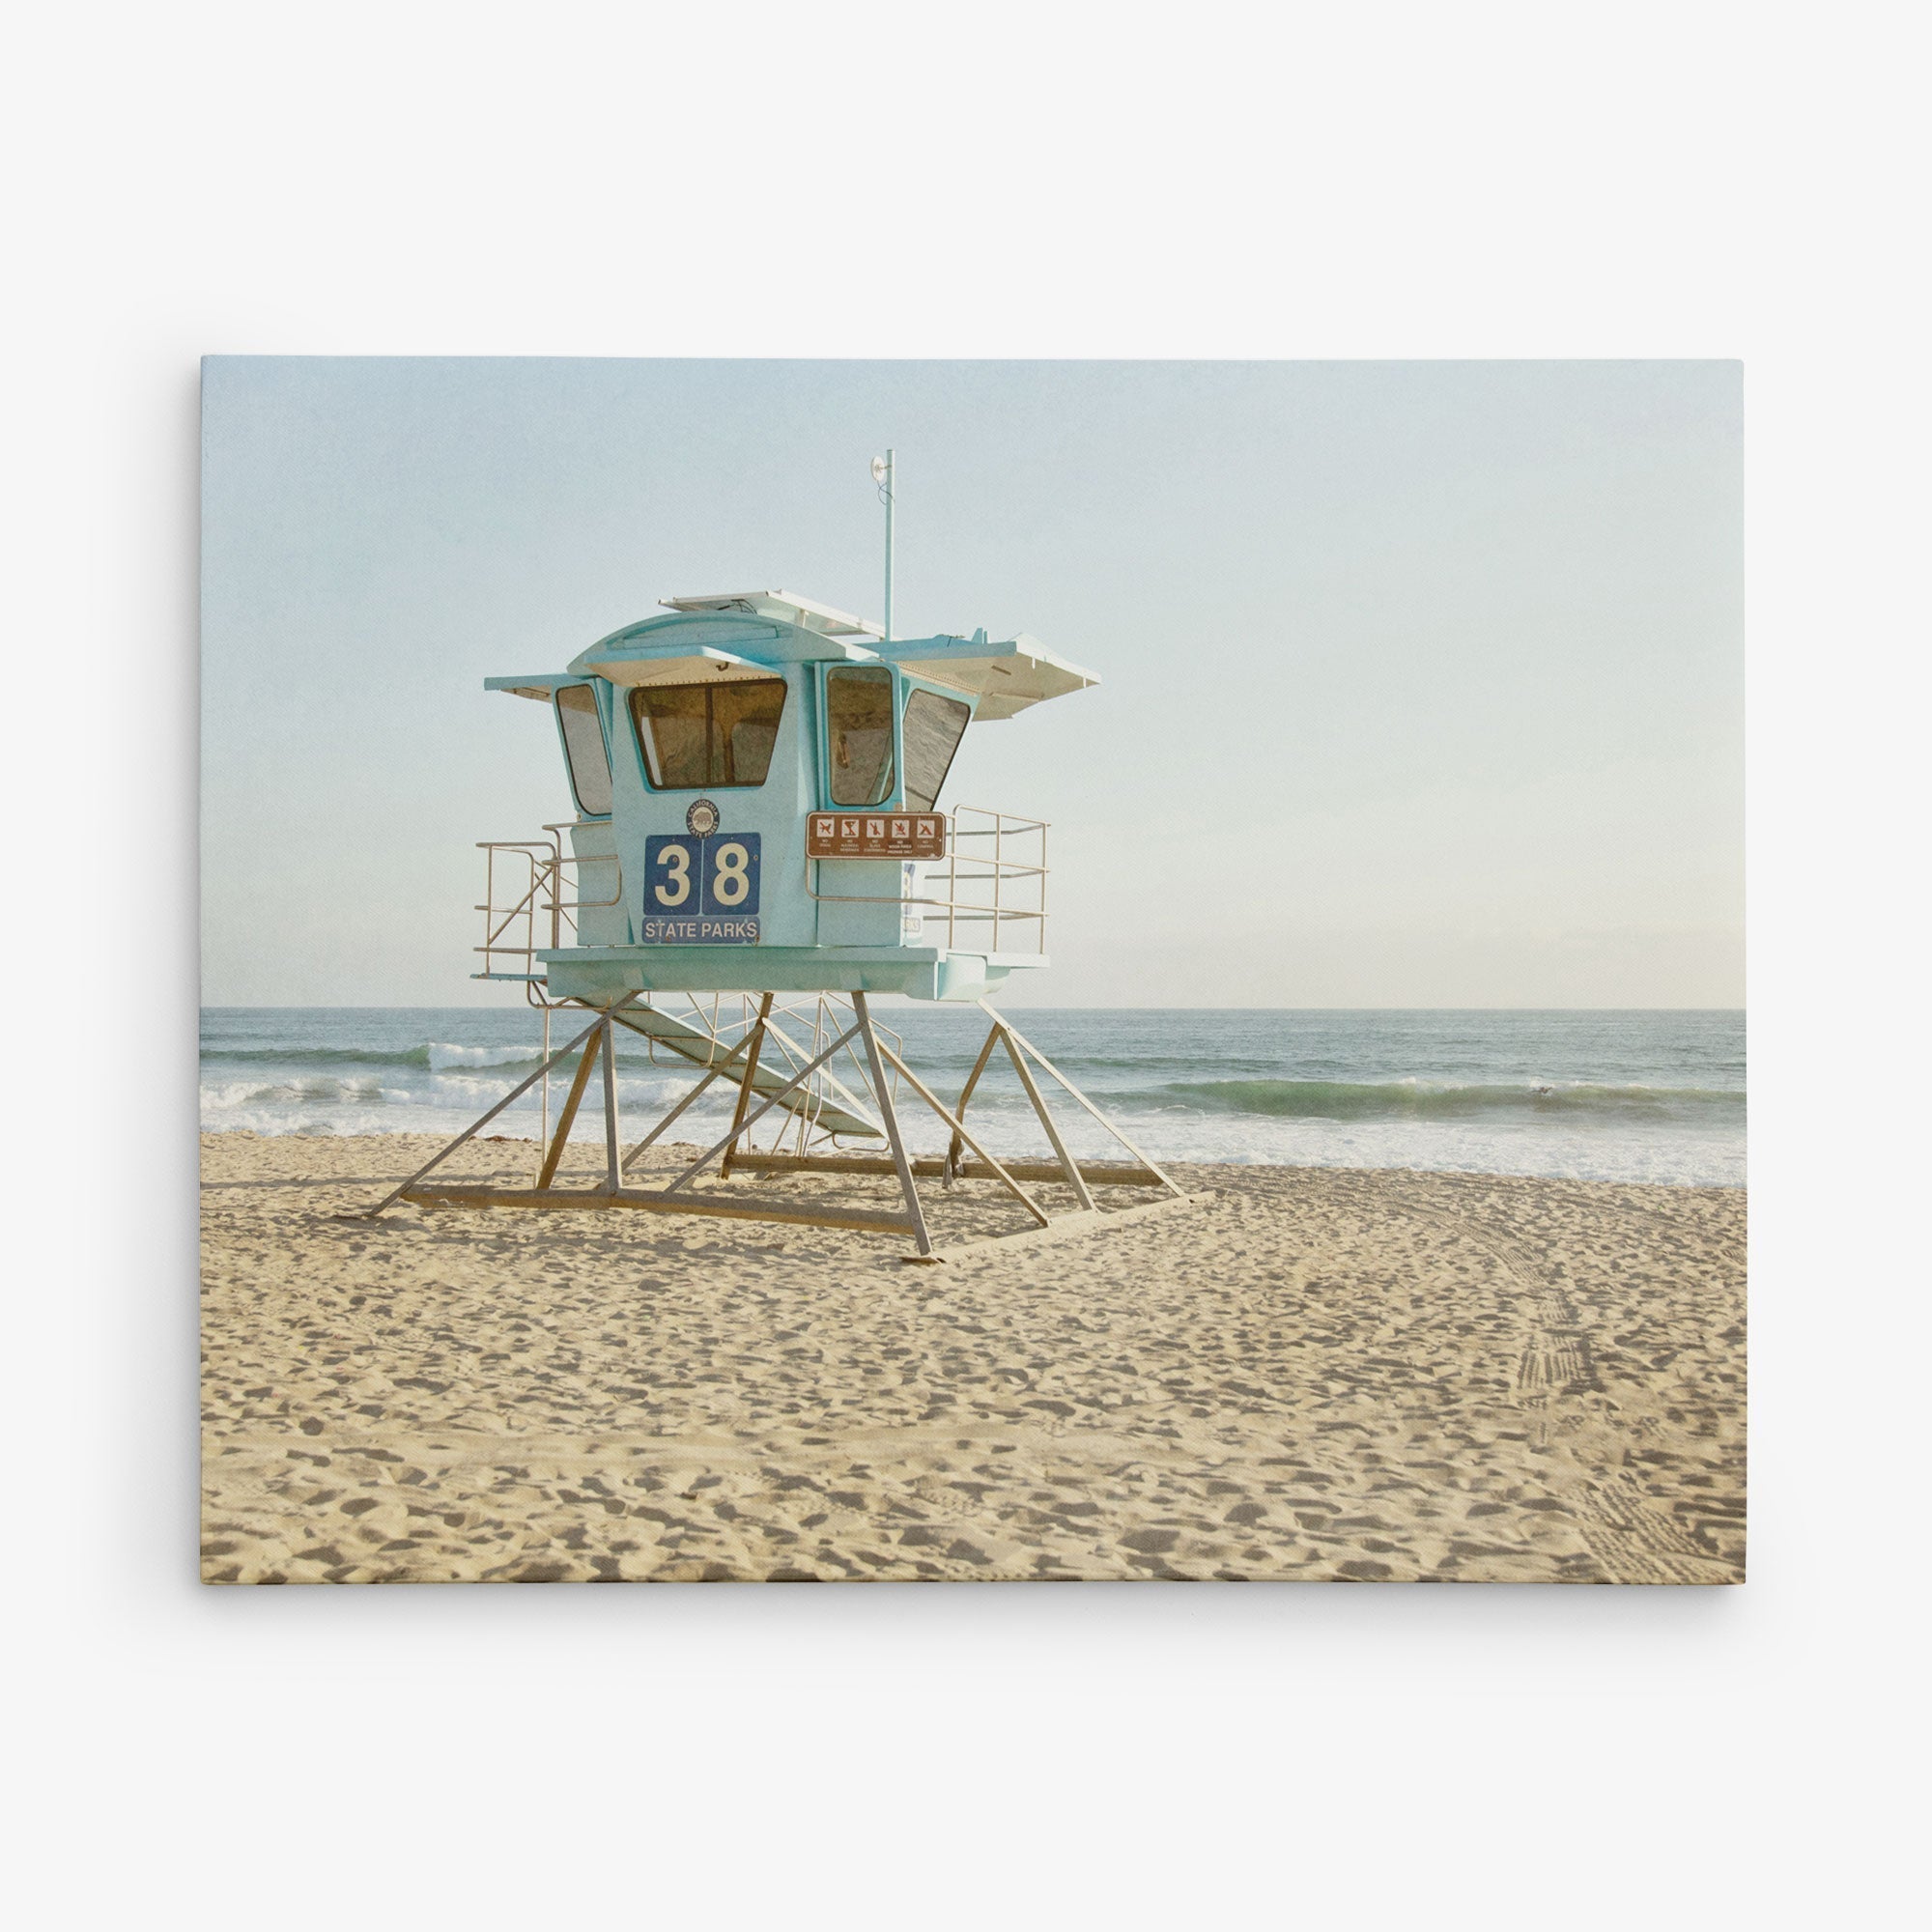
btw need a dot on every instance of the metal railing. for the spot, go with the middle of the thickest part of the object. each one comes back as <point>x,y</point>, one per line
<point>993,875</point>
<point>526,907</point>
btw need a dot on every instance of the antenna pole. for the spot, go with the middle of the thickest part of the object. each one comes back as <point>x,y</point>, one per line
<point>888,492</point>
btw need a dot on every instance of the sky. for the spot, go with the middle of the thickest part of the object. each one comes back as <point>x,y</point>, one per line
<point>1422,683</point>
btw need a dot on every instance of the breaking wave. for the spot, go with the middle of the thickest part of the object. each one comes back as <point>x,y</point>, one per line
<point>438,1056</point>
<point>1614,1096</point>
<point>1405,1099</point>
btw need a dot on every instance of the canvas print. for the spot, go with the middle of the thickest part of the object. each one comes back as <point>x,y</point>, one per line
<point>972,970</point>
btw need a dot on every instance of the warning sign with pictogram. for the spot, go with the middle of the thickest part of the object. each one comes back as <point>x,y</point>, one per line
<point>875,835</point>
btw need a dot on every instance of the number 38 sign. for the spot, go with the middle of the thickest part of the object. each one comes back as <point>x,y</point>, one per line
<point>703,890</point>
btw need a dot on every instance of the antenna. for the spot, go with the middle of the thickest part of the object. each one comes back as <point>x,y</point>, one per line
<point>882,475</point>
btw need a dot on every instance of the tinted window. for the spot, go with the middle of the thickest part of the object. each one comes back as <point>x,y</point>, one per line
<point>703,735</point>
<point>933,728</point>
<point>583,749</point>
<point>859,729</point>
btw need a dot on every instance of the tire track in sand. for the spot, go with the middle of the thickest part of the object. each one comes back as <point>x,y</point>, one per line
<point>1633,1541</point>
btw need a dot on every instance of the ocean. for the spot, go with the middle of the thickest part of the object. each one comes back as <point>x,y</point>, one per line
<point>1652,1096</point>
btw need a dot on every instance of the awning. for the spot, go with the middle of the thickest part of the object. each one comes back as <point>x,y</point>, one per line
<point>698,664</point>
<point>541,684</point>
<point>1006,678</point>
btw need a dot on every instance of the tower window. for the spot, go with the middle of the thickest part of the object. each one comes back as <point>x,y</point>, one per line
<point>584,749</point>
<point>859,732</point>
<point>702,736</point>
<point>933,728</point>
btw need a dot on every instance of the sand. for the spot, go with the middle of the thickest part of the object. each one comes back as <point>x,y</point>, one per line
<point>1319,1375</point>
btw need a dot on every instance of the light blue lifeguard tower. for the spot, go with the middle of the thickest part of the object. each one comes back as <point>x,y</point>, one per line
<point>760,842</point>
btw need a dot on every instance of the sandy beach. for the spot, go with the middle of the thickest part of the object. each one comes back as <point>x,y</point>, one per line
<point>1316,1374</point>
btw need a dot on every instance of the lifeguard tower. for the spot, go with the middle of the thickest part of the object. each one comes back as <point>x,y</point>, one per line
<point>759,844</point>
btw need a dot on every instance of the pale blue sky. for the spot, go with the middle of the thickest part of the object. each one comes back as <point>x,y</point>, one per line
<point>1422,682</point>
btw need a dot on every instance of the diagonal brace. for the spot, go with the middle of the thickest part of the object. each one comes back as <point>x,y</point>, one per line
<point>802,1074</point>
<point>1068,1165</point>
<point>566,1120</point>
<point>966,1093</point>
<point>696,1092</point>
<point>1020,1040</point>
<point>952,1120</point>
<point>470,1132</point>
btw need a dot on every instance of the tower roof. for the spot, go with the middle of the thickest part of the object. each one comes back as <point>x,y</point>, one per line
<point>803,611</point>
<point>743,634</point>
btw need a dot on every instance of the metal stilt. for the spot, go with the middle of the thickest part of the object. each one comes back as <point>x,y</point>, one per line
<point>712,1153</point>
<point>613,1180</point>
<point>677,1111</point>
<point>806,1093</point>
<point>921,1240</point>
<point>965,1094</point>
<point>1047,1065</point>
<point>475,1127</point>
<point>1068,1163</point>
<point>757,1038</point>
<point>574,1100</point>
<point>953,1122</point>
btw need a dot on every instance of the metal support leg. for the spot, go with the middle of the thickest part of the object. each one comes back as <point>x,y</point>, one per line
<point>744,1086</point>
<point>828,1081</point>
<point>543,1129</point>
<point>567,1118</point>
<point>612,1179</point>
<point>475,1127</point>
<point>1068,1165</point>
<point>959,1140</point>
<point>921,1240</point>
<point>1020,1040</point>
<point>798,1079</point>
<point>693,1095</point>
<point>953,1122</point>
